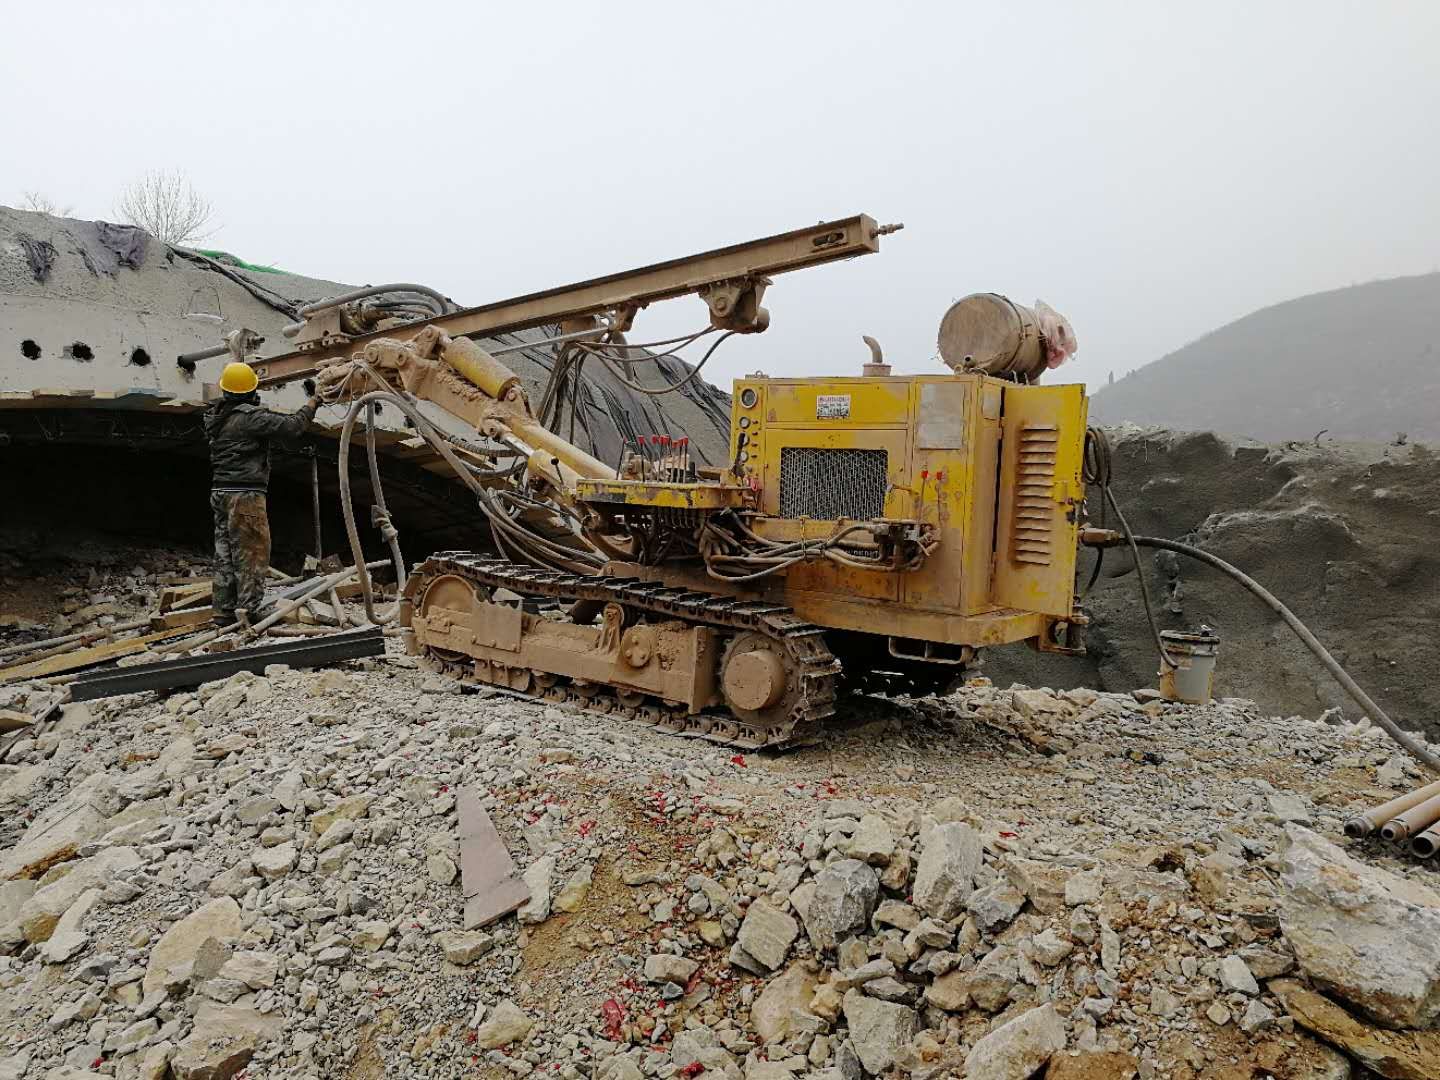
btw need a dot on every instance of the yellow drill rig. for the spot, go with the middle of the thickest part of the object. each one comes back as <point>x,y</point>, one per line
<point>868,531</point>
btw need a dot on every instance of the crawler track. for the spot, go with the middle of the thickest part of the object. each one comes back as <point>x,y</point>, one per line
<point>813,667</point>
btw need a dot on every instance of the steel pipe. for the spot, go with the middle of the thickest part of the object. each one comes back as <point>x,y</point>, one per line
<point>1427,843</point>
<point>82,637</point>
<point>1413,821</point>
<point>323,585</point>
<point>1366,823</point>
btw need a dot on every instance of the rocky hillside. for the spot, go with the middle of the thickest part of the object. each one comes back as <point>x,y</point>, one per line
<point>260,879</point>
<point>1332,530</point>
<point>1358,363</point>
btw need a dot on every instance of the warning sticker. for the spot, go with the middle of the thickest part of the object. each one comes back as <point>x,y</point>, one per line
<point>832,407</point>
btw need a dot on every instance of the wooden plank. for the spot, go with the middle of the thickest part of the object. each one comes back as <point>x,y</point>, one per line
<point>182,596</point>
<point>10,720</point>
<point>80,658</point>
<point>173,620</point>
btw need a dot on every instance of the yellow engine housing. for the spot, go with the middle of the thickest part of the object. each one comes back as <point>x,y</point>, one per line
<point>994,466</point>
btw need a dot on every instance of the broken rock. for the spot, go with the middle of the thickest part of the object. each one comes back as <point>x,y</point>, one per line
<point>1400,1055</point>
<point>945,877</point>
<point>669,968</point>
<point>538,878</point>
<point>995,905</point>
<point>462,947</point>
<point>572,894</point>
<point>879,1030</point>
<point>1365,935</point>
<point>1049,948</point>
<point>505,1025</point>
<point>69,937</point>
<point>350,809</point>
<point>57,834</point>
<point>872,841</point>
<point>175,953</point>
<point>274,863</point>
<point>223,1041</point>
<point>1235,975</point>
<point>1016,1050</point>
<point>39,914</point>
<point>257,970</point>
<point>1042,883</point>
<point>994,978</point>
<point>767,934</point>
<point>783,996</point>
<point>843,901</point>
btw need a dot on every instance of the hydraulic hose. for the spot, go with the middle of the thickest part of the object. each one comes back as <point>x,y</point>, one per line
<point>441,304</point>
<point>347,508</point>
<point>510,537</point>
<point>1312,643</point>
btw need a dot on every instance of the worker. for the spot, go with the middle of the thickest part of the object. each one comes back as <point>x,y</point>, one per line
<point>240,431</point>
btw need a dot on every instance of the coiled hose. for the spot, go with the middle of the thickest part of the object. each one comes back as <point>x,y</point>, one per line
<point>1098,471</point>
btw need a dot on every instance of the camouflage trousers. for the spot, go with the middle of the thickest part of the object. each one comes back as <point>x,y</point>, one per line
<point>242,552</point>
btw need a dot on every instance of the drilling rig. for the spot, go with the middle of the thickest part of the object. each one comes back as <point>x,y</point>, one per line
<point>865,532</point>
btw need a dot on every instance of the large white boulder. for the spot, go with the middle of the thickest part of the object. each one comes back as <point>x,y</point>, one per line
<point>1362,933</point>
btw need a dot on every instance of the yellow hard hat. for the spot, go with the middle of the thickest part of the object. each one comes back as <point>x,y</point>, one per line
<point>238,378</point>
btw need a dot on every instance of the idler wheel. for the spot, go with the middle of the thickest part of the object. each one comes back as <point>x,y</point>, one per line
<point>754,680</point>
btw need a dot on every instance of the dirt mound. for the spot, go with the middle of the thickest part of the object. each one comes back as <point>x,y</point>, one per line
<point>1334,530</point>
<point>1362,363</point>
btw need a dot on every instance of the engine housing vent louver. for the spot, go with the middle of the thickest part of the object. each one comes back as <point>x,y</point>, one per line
<point>1032,538</point>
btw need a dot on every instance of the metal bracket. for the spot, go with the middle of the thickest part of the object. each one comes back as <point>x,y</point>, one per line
<point>928,652</point>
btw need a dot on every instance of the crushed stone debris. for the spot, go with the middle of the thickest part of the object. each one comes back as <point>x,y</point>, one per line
<point>1005,877</point>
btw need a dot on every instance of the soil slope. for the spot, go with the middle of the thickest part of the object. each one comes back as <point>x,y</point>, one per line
<point>1337,531</point>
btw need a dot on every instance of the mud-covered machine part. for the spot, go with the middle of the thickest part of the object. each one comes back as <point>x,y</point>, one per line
<point>765,678</point>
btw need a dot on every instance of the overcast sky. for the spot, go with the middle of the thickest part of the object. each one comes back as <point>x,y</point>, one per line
<point>1152,170</point>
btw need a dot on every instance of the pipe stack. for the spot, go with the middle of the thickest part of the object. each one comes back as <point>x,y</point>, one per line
<point>1411,820</point>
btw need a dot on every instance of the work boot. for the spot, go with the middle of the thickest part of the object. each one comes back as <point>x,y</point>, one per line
<point>223,619</point>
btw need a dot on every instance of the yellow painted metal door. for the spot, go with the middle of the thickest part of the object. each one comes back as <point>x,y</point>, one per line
<point>822,474</point>
<point>1041,490</point>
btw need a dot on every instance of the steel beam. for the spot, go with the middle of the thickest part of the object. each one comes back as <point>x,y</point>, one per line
<point>194,670</point>
<point>796,250</point>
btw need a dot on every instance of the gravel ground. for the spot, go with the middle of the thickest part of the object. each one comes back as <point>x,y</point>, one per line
<point>1119,857</point>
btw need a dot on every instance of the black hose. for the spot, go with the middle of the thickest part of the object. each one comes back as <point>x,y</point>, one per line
<point>694,372</point>
<point>1303,633</point>
<point>347,507</point>
<point>1097,469</point>
<point>439,303</point>
<point>1165,661</point>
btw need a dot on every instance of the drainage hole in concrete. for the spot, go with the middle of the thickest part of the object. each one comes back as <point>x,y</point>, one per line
<point>29,349</point>
<point>140,358</point>
<point>79,351</point>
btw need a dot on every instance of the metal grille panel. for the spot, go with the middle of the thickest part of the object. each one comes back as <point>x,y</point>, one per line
<point>832,484</point>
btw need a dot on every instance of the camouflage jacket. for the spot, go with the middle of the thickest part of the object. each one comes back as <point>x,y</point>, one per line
<point>240,431</point>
